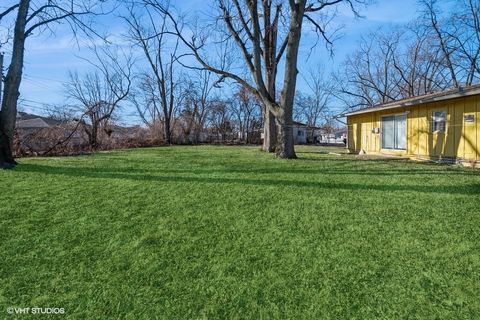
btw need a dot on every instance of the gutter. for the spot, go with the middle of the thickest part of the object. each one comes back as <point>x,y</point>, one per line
<point>436,97</point>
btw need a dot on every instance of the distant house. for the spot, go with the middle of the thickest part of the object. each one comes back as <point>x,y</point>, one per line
<point>36,133</point>
<point>314,135</point>
<point>299,132</point>
<point>302,133</point>
<point>340,135</point>
<point>438,126</point>
<point>331,136</point>
<point>121,132</point>
<point>30,122</point>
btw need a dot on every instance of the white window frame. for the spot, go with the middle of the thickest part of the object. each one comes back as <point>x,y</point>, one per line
<point>433,119</point>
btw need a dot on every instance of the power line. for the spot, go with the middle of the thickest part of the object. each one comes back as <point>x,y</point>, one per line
<point>43,78</point>
<point>32,101</point>
<point>41,84</point>
<point>43,108</point>
<point>34,107</point>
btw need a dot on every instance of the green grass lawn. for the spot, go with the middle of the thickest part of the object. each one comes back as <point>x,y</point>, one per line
<point>231,232</point>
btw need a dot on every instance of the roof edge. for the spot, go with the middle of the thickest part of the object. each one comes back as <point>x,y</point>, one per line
<point>413,101</point>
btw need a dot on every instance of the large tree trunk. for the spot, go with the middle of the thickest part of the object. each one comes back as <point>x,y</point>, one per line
<point>285,147</point>
<point>94,137</point>
<point>269,131</point>
<point>6,152</point>
<point>270,44</point>
<point>168,132</point>
<point>8,112</point>
<point>312,134</point>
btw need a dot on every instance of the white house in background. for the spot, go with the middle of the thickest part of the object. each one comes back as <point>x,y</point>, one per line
<point>338,136</point>
<point>299,133</point>
<point>341,133</point>
<point>302,134</point>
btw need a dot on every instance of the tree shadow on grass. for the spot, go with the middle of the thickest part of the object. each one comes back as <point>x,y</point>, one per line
<point>142,175</point>
<point>340,168</point>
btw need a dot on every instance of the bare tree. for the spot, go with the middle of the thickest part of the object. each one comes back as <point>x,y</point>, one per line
<point>253,27</point>
<point>34,16</point>
<point>246,110</point>
<point>313,106</point>
<point>466,36</point>
<point>391,65</point>
<point>144,98</point>
<point>100,92</point>
<point>220,119</point>
<point>197,103</point>
<point>162,82</point>
<point>368,77</point>
<point>432,53</point>
<point>445,38</point>
<point>419,65</point>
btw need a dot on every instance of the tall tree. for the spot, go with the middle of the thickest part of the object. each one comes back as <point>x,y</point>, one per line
<point>220,119</point>
<point>246,111</point>
<point>313,106</point>
<point>253,27</point>
<point>147,30</point>
<point>466,36</point>
<point>197,104</point>
<point>445,39</point>
<point>99,93</point>
<point>390,65</point>
<point>33,16</point>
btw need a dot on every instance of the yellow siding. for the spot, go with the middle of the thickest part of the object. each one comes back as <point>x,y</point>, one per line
<point>450,131</point>
<point>460,139</point>
<point>365,135</point>
<point>376,137</point>
<point>469,132</point>
<point>477,126</point>
<point>413,133</point>
<point>431,137</point>
<point>423,130</point>
<point>370,142</point>
<point>439,138</point>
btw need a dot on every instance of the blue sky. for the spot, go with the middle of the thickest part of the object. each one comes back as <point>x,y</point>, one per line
<point>49,59</point>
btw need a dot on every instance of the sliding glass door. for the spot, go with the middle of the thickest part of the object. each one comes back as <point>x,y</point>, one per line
<point>394,132</point>
<point>388,132</point>
<point>401,132</point>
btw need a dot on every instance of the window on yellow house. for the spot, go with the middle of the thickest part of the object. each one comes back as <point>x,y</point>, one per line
<point>438,121</point>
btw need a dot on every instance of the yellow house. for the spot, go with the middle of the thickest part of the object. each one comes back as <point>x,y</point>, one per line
<point>439,126</point>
